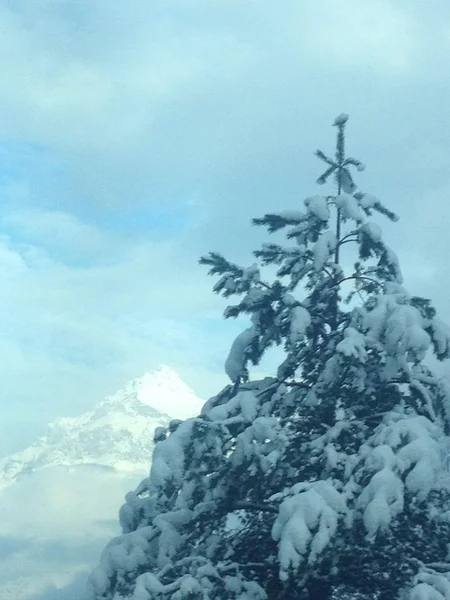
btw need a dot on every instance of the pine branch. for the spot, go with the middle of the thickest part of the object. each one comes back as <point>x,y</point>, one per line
<point>325,158</point>
<point>219,264</point>
<point>375,204</point>
<point>356,163</point>
<point>298,384</point>
<point>271,253</point>
<point>275,222</point>
<point>348,238</point>
<point>385,211</point>
<point>420,388</point>
<point>245,505</point>
<point>441,567</point>
<point>323,178</point>
<point>358,278</point>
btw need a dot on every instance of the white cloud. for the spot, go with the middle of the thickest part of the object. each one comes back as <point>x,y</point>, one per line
<point>379,35</point>
<point>62,233</point>
<point>101,73</point>
<point>54,526</point>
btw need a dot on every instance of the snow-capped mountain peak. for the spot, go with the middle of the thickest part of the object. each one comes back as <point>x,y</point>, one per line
<point>163,390</point>
<point>116,434</point>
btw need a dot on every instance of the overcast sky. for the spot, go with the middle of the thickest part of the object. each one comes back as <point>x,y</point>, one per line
<point>136,136</point>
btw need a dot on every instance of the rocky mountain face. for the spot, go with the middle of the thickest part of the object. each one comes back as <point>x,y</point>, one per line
<point>116,434</point>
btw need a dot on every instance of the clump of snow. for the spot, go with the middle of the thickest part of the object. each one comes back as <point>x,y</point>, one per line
<point>245,403</point>
<point>263,439</point>
<point>323,249</point>
<point>251,274</point>
<point>227,283</point>
<point>381,500</point>
<point>346,182</point>
<point>430,585</point>
<point>399,327</point>
<point>368,201</point>
<point>293,215</point>
<point>244,590</point>
<point>306,523</point>
<point>372,230</point>
<point>254,296</point>
<point>298,229</point>
<point>353,344</point>
<point>289,300</point>
<point>300,321</point>
<point>391,259</point>
<point>404,454</point>
<point>169,524</point>
<point>318,206</point>
<point>404,332</point>
<point>424,591</point>
<point>340,119</point>
<point>237,357</point>
<point>124,553</point>
<point>168,456</point>
<point>349,207</point>
<point>441,337</point>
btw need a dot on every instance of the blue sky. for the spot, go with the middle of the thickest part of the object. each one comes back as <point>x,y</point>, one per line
<point>136,136</point>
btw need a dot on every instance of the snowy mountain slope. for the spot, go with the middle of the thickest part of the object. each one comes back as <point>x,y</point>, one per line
<point>59,498</point>
<point>117,433</point>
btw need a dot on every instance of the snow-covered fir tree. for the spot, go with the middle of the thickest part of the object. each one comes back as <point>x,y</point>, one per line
<point>328,480</point>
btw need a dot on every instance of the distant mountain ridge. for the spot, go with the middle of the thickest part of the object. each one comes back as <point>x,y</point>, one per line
<point>116,434</point>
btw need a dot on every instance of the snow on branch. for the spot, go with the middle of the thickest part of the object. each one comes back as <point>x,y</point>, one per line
<point>369,203</point>
<point>235,365</point>
<point>235,279</point>
<point>430,585</point>
<point>201,581</point>
<point>306,524</point>
<point>403,455</point>
<point>349,207</point>
<point>276,221</point>
<point>168,457</point>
